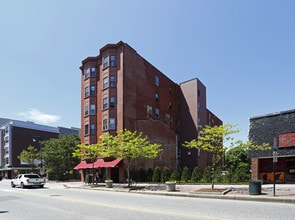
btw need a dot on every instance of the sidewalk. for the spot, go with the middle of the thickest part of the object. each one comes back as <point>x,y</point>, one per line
<point>283,192</point>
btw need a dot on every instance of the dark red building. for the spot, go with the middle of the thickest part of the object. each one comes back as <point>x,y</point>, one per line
<point>122,90</point>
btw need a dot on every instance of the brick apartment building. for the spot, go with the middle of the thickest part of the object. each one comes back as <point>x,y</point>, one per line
<point>16,136</point>
<point>279,127</point>
<point>120,89</point>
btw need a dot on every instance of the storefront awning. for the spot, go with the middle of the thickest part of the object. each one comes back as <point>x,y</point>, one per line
<point>98,163</point>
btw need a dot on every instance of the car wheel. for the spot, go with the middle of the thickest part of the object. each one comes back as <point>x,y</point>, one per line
<point>41,186</point>
<point>22,185</point>
<point>12,185</point>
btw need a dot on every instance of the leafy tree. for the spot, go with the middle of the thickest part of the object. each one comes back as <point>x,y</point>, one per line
<point>57,154</point>
<point>157,175</point>
<point>29,156</point>
<point>129,146</point>
<point>237,161</point>
<point>165,174</point>
<point>241,173</point>
<point>185,175</point>
<point>212,140</point>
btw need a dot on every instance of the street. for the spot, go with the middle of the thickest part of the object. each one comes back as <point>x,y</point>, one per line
<point>55,201</point>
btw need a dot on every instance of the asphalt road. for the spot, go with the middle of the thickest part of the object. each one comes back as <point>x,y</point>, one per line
<point>55,201</point>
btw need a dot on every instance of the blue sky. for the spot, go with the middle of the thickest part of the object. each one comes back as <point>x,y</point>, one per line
<point>243,51</point>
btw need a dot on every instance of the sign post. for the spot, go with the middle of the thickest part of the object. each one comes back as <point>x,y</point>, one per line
<point>275,160</point>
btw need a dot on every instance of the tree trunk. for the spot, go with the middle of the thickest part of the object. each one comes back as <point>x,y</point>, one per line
<point>128,173</point>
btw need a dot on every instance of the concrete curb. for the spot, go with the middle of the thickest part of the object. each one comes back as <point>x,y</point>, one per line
<point>223,195</point>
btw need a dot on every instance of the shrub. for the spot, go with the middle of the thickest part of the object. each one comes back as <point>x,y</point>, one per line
<point>165,174</point>
<point>149,175</point>
<point>141,175</point>
<point>196,175</point>
<point>185,175</point>
<point>174,176</point>
<point>206,177</point>
<point>157,175</point>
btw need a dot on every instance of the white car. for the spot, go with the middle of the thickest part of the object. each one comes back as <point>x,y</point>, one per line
<point>28,180</point>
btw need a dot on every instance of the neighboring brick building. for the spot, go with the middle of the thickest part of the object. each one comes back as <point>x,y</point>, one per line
<point>16,136</point>
<point>120,89</point>
<point>264,129</point>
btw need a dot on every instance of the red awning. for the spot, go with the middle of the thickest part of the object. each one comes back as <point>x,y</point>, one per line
<point>83,165</point>
<point>98,163</point>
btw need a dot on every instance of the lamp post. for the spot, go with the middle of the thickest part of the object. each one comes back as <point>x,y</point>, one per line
<point>39,139</point>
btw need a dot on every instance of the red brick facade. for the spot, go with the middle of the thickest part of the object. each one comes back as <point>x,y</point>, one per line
<point>133,94</point>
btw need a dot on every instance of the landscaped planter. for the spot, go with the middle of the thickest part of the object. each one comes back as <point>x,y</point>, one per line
<point>170,186</point>
<point>109,183</point>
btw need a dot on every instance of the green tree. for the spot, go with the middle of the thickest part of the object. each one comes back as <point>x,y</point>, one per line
<point>129,146</point>
<point>212,140</point>
<point>57,154</point>
<point>185,175</point>
<point>237,161</point>
<point>30,155</point>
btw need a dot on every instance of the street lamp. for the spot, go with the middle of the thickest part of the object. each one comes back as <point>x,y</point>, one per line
<point>39,139</point>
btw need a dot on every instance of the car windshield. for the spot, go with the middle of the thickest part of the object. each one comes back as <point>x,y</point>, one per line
<point>31,176</point>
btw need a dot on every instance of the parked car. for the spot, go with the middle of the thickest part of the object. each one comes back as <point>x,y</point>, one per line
<point>28,180</point>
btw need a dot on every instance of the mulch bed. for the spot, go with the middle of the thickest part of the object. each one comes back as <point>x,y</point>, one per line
<point>210,190</point>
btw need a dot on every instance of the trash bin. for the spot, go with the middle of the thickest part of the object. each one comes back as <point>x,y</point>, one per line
<point>255,187</point>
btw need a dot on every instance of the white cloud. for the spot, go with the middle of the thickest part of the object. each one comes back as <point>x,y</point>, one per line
<point>36,116</point>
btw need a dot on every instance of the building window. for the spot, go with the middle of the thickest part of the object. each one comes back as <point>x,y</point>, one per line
<point>170,105</point>
<point>86,129</point>
<point>157,81</point>
<point>87,73</point>
<point>6,139</point>
<point>105,103</point>
<point>7,160</point>
<point>199,93</point>
<point>112,60</point>
<point>104,124</point>
<point>170,90</point>
<point>6,129</point>
<point>149,110</point>
<point>105,82</point>
<point>157,112</point>
<point>92,72</point>
<point>199,107</point>
<point>92,129</point>
<point>86,110</point>
<point>112,81</point>
<point>112,123</point>
<point>86,91</point>
<point>112,101</point>
<point>92,90</point>
<point>92,109</point>
<point>157,97</point>
<point>105,62</point>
